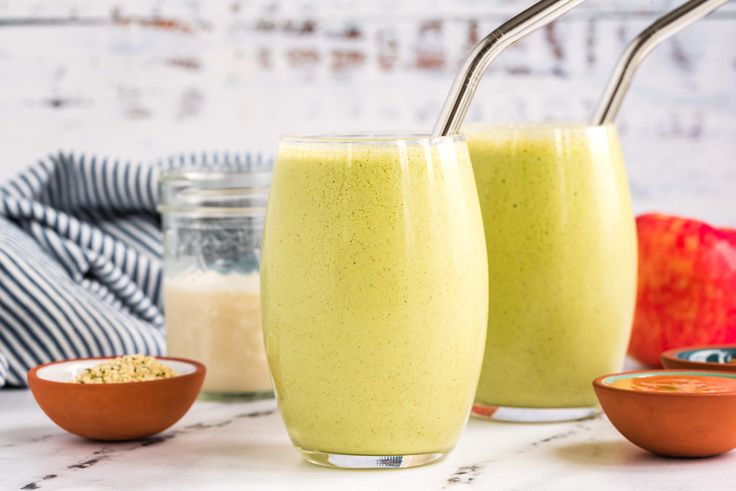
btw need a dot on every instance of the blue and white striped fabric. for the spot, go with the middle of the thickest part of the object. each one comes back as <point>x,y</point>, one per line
<point>80,263</point>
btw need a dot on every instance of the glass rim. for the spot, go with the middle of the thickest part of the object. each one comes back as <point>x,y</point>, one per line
<point>537,126</point>
<point>370,138</point>
<point>231,177</point>
<point>250,212</point>
<point>211,193</point>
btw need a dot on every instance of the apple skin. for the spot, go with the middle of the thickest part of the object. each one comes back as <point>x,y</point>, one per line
<point>686,286</point>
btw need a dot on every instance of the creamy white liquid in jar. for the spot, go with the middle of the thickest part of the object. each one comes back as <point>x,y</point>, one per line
<point>216,319</point>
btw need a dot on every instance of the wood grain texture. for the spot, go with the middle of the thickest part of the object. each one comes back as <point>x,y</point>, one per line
<point>146,78</point>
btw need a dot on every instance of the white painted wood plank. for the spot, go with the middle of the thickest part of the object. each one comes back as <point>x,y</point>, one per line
<point>142,79</point>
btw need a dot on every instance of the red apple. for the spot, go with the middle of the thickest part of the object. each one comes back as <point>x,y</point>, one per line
<point>687,286</point>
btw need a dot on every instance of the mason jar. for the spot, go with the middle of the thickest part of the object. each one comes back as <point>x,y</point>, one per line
<point>212,222</point>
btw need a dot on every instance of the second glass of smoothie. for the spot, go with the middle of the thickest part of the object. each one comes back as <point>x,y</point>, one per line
<point>561,244</point>
<point>375,288</point>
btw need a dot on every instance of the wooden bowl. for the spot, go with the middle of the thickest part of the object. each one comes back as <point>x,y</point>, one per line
<point>114,412</point>
<point>708,357</point>
<point>674,424</point>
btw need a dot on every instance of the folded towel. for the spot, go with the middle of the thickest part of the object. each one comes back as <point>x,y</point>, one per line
<point>80,261</point>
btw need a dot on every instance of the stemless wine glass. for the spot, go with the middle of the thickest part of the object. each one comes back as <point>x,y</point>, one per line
<point>374,293</point>
<point>561,246</point>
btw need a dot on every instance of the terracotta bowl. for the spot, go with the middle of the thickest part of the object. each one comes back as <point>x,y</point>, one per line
<point>113,412</point>
<point>709,357</point>
<point>668,423</point>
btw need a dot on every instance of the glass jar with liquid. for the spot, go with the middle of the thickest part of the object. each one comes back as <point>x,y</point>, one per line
<point>212,222</point>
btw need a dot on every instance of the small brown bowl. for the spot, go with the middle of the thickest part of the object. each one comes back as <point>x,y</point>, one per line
<point>708,357</point>
<point>675,424</point>
<point>114,412</point>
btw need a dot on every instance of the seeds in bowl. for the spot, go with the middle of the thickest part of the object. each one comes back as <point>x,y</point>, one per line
<point>128,368</point>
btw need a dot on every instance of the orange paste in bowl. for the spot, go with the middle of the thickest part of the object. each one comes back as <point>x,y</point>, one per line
<point>690,384</point>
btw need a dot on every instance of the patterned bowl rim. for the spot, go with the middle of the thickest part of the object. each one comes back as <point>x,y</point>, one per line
<point>685,354</point>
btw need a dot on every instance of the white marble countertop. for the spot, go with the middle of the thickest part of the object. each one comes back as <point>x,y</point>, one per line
<point>244,445</point>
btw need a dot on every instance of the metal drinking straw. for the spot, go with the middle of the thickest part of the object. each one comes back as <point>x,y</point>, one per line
<point>641,46</point>
<point>463,89</point>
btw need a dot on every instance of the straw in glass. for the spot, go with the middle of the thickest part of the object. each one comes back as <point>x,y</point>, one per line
<point>463,89</point>
<point>641,46</point>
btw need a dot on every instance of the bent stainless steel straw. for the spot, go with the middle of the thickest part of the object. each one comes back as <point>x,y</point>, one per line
<point>463,89</point>
<point>641,46</point>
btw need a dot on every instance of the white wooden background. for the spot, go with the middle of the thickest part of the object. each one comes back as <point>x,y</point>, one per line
<point>142,79</point>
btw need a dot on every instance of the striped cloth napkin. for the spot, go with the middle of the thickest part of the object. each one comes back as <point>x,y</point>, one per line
<point>80,263</point>
<point>80,258</point>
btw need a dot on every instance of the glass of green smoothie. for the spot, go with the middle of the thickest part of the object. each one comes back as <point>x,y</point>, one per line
<point>561,245</point>
<point>374,296</point>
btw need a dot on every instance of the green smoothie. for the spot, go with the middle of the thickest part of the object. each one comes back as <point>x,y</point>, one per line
<point>374,293</point>
<point>561,244</point>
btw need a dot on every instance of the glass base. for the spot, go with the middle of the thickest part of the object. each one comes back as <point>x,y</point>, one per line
<point>348,461</point>
<point>234,396</point>
<point>533,414</point>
